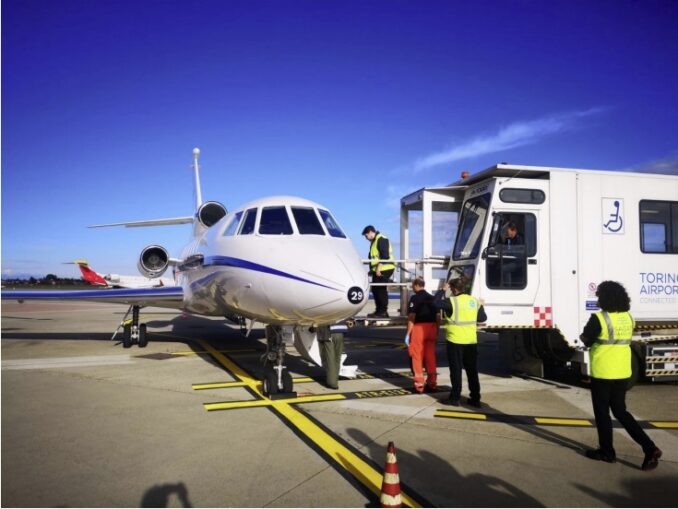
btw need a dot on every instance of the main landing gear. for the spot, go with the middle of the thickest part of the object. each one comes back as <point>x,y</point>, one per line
<point>277,381</point>
<point>133,332</point>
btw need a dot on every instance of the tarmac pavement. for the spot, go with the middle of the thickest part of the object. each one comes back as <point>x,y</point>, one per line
<point>87,423</point>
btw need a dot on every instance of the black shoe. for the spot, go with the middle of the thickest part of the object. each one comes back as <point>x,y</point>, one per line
<point>651,459</point>
<point>599,455</point>
<point>450,401</point>
<point>381,315</point>
<point>430,389</point>
<point>473,402</point>
<point>372,315</point>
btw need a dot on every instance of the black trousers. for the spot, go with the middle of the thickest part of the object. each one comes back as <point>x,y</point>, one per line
<point>381,292</point>
<point>465,356</point>
<point>609,395</point>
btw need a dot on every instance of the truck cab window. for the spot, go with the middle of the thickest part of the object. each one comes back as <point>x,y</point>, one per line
<point>513,239</point>
<point>471,227</point>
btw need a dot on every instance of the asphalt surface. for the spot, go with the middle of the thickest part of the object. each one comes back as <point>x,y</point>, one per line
<point>87,423</point>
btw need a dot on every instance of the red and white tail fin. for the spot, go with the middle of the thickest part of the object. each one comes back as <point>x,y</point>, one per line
<point>89,275</point>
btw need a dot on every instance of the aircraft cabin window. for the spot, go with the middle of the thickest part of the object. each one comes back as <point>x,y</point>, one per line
<point>275,221</point>
<point>658,226</point>
<point>307,221</point>
<point>247,227</point>
<point>331,224</point>
<point>233,225</point>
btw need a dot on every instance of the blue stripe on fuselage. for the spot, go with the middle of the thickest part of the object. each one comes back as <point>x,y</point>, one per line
<point>229,261</point>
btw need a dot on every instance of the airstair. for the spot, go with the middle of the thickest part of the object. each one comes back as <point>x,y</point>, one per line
<point>428,221</point>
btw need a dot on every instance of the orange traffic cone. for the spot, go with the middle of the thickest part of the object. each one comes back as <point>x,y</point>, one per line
<point>390,487</point>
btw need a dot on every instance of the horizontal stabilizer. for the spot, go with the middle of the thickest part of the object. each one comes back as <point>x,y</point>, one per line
<point>150,222</point>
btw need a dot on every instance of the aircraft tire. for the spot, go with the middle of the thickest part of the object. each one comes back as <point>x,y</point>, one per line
<point>143,338</point>
<point>127,340</point>
<point>270,383</point>
<point>287,383</point>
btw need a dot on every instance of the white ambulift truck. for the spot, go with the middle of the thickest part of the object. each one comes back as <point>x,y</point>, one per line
<point>576,228</point>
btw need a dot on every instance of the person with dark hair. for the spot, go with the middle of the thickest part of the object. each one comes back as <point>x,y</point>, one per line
<point>513,237</point>
<point>608,335</point>
<point>461,313</point>
<point>381,269</point>
<point>422,334</point>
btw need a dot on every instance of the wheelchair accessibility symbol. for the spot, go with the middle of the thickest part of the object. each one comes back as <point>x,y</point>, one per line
<point>613,215</point>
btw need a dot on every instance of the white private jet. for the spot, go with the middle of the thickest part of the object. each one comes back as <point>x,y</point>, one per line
<point>118,280</point>
<point>282,261</point>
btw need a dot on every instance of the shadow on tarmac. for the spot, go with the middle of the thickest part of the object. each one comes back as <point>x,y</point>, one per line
<point>474,490</point>
<point>159,495</point>
<point>658,491</point>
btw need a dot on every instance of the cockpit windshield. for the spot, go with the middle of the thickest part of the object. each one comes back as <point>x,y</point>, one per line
<point>471,227</point>
<point>331,224</point>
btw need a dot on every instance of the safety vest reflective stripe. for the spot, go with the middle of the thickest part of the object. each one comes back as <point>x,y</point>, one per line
<point>374,254</point>
<point>461,326</point>
<point>611,353</point>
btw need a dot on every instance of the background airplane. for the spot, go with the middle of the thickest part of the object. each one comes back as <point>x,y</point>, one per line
<point>282,261</point>
<point>117,280</point>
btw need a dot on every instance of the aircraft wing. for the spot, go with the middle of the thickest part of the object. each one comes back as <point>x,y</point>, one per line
<point>163,296</point>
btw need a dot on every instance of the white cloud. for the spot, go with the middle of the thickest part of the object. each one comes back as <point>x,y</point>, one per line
<point>667,166</point>
<point>514,135</point>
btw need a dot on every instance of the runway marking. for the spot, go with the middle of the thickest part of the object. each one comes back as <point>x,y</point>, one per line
<point>204,352</point>
<point>227,385</point>
<point>530,420</point>
<point>665,424</point>
<point>341,455</point>
<point>460,415</point>
<point>228,405</point>
<point>550,421</point>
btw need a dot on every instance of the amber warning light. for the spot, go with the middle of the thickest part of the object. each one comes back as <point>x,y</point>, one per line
<point>465,175</point>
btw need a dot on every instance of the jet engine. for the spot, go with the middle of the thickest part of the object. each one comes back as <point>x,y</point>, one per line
<point>210,213</point>
<point>153,261</point>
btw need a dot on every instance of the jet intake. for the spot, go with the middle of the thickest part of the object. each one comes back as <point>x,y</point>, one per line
<point>210,213</point>
<point>153,261</point>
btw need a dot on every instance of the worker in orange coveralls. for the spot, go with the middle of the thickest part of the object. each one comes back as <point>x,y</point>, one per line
<point>422,334</point>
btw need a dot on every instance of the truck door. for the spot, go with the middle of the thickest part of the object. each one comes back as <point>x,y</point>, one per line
<point>511,260</point>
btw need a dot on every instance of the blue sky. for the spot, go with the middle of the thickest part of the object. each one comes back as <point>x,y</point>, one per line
<point>352,104</point>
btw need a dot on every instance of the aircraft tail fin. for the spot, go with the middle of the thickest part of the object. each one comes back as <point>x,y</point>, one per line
<point>88,274</point>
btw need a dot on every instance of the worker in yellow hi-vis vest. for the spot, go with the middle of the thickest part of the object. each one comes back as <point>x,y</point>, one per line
<point>608,334</point>
<point>461,313</point>
<point>381,268</point>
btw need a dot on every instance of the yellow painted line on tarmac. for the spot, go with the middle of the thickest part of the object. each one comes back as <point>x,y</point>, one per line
<point>665,424</point>
<point>204,352</point>
<point>367,475</point>
<point>344,457</point>
<point>226,385</point>
<point>563,422</point>
<point>231,366</point>
<point>462,415</point>
<point>229,405</point>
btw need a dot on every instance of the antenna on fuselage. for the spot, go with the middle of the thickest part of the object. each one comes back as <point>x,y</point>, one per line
<point>196,171</point>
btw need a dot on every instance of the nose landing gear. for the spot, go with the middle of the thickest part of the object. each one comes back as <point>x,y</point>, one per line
<point>277,381</point>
